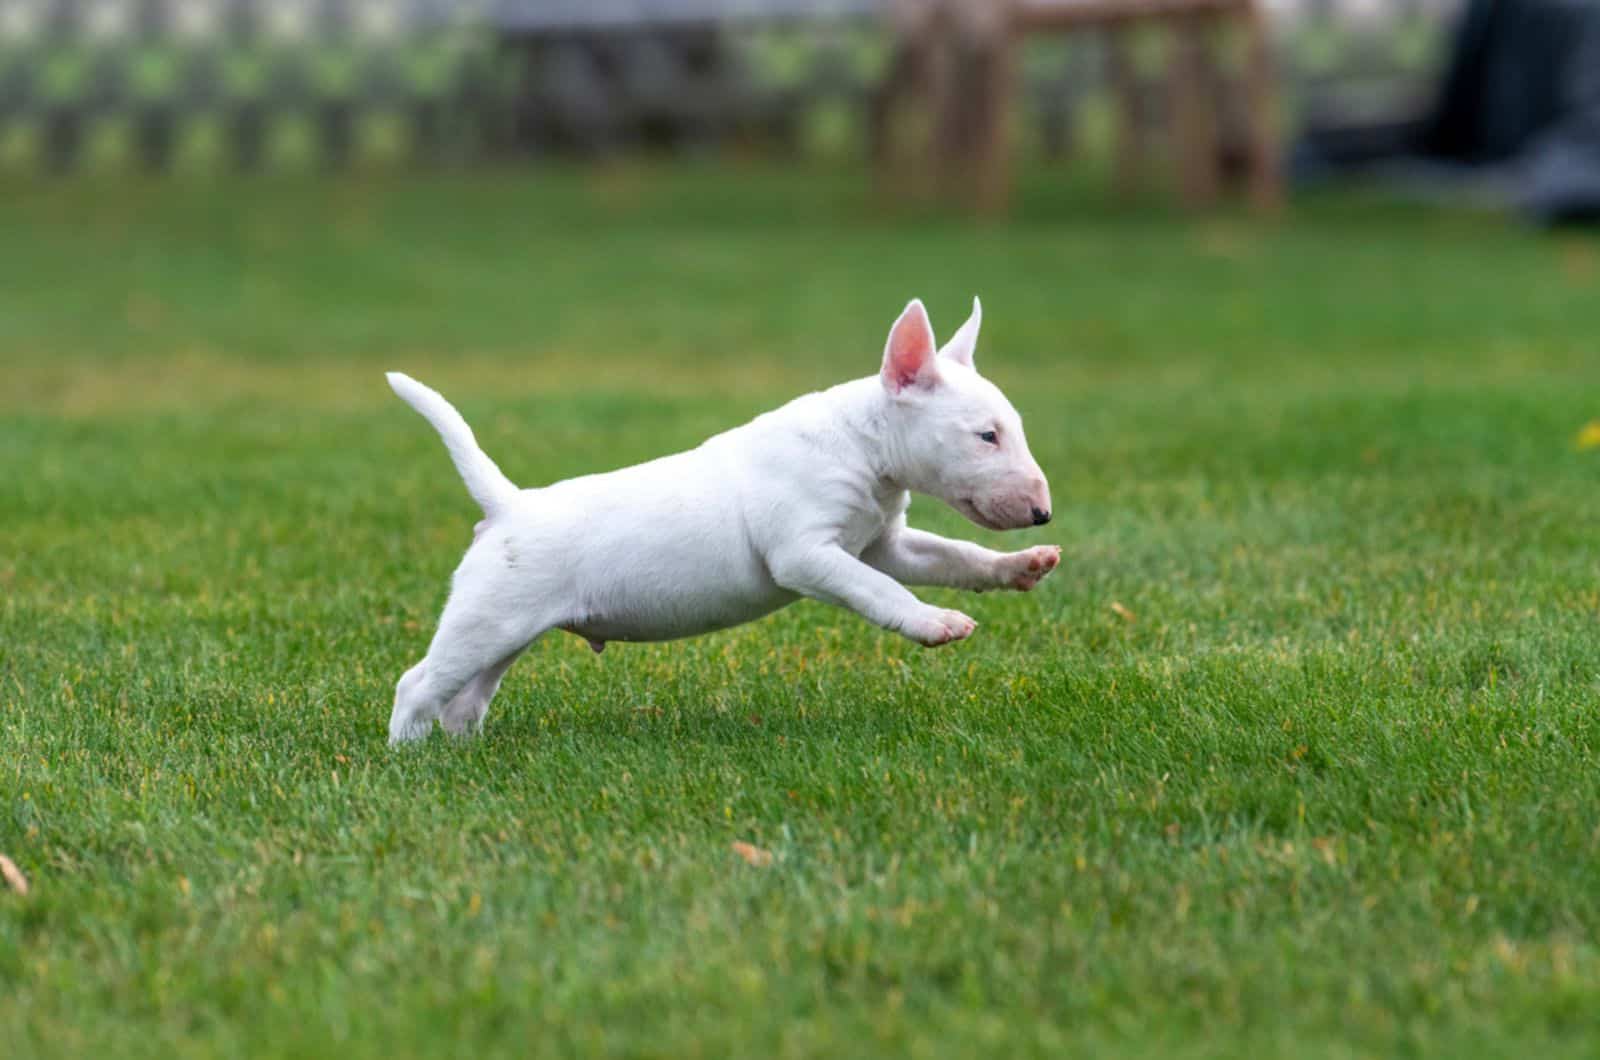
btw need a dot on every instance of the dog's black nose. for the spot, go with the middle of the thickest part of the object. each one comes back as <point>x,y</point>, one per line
<point>1040,517</point>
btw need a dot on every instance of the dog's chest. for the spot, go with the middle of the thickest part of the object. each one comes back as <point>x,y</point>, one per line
<point>867,522</point>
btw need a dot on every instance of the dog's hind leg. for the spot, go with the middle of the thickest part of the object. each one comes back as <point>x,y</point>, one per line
<point>463,715</point>
<point>404,721</point>
<point>499,603</point>
<point>420,697</point>
<point>475,644</point>
<point>455,681</point>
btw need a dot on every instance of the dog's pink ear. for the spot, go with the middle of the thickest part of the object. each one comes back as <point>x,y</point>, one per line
<point>964,343</point>
<point>908,357</point>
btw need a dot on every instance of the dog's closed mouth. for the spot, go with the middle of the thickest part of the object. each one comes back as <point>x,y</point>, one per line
<point>969,508</point>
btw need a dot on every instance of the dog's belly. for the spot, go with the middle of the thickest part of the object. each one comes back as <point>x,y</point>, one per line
<point>677,566</point>
<point>640,628</point>
<point>671,616</point>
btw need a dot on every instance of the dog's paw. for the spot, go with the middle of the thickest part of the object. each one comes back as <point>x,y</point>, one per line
<point>939,626</point>
<point>408,730</point>
<point>1023,570</point>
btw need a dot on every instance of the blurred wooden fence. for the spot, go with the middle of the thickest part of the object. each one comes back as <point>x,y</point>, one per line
<point>297,84</point>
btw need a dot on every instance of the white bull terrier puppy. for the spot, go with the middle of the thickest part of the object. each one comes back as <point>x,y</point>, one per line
<point>808,500</point>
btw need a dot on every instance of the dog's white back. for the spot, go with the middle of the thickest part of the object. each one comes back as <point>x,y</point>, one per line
<point>807,500</point>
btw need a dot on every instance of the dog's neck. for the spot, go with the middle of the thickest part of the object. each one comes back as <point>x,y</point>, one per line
<point>868,422</point>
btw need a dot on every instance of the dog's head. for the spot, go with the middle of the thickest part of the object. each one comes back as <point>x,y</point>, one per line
<point>955,436</point>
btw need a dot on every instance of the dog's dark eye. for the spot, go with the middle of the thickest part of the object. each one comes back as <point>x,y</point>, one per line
<point>989,436</point>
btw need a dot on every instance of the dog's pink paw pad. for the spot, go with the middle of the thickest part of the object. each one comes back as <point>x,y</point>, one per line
<point>944,627</point>
<point>1035,563</point>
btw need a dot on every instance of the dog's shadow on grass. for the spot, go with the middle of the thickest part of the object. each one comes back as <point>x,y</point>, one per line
<point>535,732</point>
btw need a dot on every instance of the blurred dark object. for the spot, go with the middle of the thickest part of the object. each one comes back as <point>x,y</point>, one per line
<point>1517,117</point>
<point>956,63</point>
<point>1507,79</point>
<point>1524,87</point>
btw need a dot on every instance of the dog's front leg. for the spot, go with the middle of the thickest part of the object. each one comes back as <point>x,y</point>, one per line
<point>916,557</point>
<point>830,574</point>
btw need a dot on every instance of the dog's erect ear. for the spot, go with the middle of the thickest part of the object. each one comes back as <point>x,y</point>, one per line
<point>964,343</point>
<point>908,356</point>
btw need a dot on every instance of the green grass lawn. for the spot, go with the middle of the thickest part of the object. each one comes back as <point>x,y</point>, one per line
<point>1298,753</point>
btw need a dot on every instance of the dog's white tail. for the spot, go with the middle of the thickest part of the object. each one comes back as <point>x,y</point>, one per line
<point>486,482</point>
